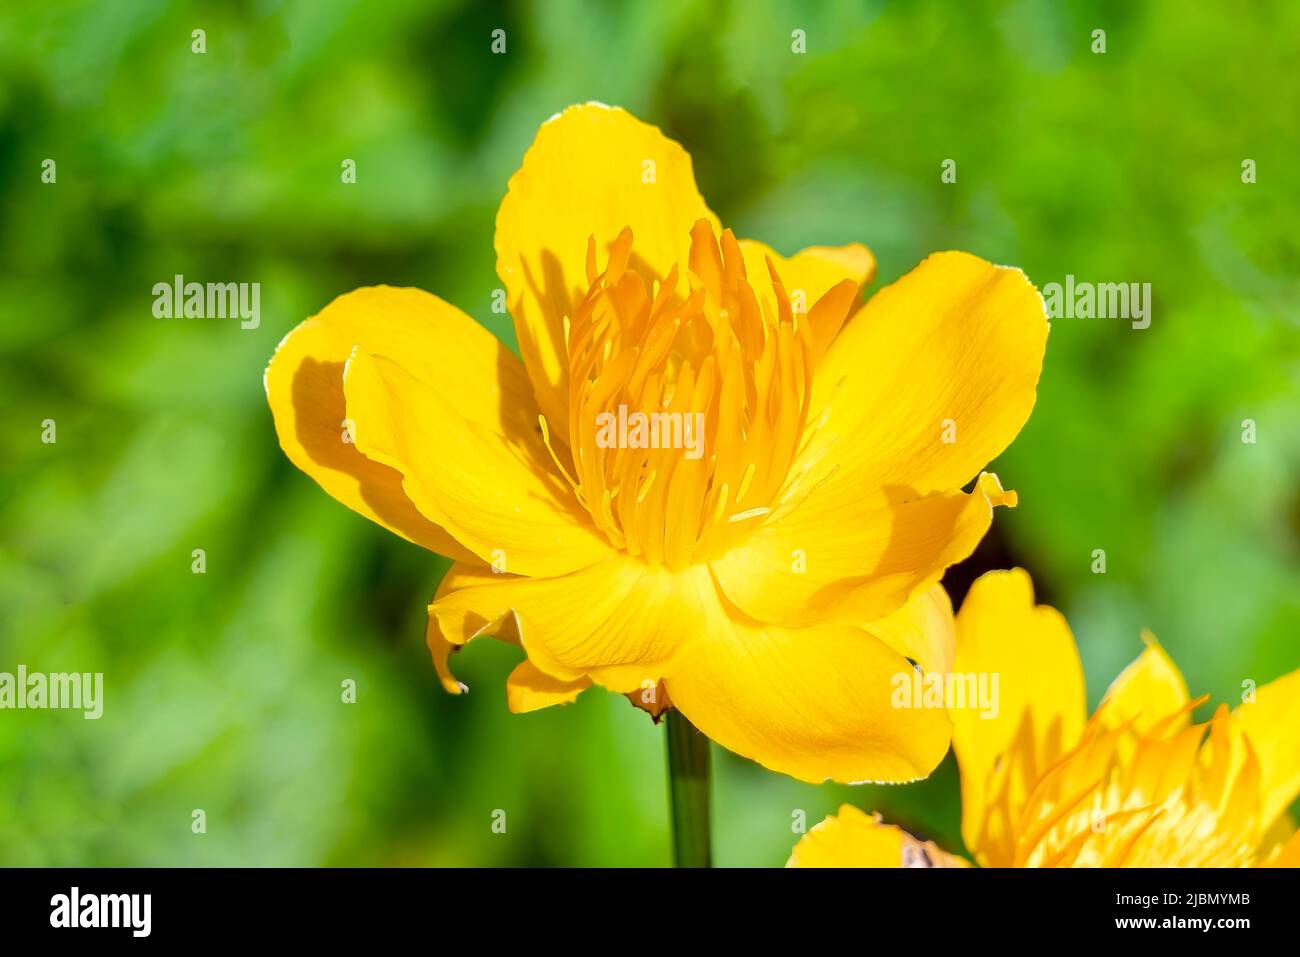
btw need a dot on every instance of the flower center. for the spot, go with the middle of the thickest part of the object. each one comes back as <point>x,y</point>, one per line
<point>687,400</point>
<point>1097,808</point>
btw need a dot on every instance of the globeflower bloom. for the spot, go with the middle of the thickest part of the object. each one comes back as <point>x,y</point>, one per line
<point>1136,785</point>
<point>768,576</point>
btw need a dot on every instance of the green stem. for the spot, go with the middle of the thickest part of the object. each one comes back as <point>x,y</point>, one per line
<point>688,789</point>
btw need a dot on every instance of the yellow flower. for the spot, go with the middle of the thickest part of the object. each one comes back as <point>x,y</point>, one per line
<point>827,492</point>
<point>1136,785</point>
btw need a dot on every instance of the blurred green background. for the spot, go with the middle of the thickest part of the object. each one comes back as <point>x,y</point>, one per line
<point>223,689</point>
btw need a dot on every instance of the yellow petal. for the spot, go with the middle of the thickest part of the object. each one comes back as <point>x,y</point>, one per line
<point>304,386</point>
<point>460,576</point>
<point>501,499</point>
<point>591,171</point>
<point>1279,846</point>
<point>530,689</point>
<point>809,275</point>
<point>654,701</point>
<point>814,703</point>
<point>844,554</point>
<point>855,839</point>
<point>815,269</point>
<point>1041,706</point>
<point>928,382</point>
<point>1272,724</point>
<point>1147,691</point>
<point>922,630</point>
<point>618,623</point>
<point>1285,855</point>
<point>931,380</point>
